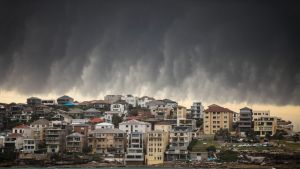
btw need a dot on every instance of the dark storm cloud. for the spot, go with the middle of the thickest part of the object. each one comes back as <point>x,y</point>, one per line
<point>233,51</point>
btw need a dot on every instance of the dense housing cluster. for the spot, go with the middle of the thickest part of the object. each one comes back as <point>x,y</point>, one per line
<point>126,129</point>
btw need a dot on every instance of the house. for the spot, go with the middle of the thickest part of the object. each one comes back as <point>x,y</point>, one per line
<point>170,103</point>
<point>34,101</point>
<point>143,100</point>
<point>181,112</point>
<point>180,138</point>
<point>55,139</point>
<point>104,126</point>
<point>112,98</point>
<point>245,122</point>
<point>30,145</point>
<point>76,113</point>
<point>131,100</point>
<point>91,113</point>
<point>107,142</point>
<point>41,111</point>
<point>109,114</point>
<point>64,99</point>
<point>157,142</point>
<point>154,105</point>
<point>80,121</point>
<point>216,118</point>
<point>265,125</point>
<point>198,155</point>
<point>75,143</point>
<point>120,106</point>
<point>38,128</point>
<point>14,141</point>
<point>102,105</point>
<point>22,129</point>
<point>135,149</point>
<point>260,113</point>
<point>196,110</point>
<point>135,126</point>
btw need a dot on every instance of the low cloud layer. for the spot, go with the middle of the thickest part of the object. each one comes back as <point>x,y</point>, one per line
<point>214,51</point>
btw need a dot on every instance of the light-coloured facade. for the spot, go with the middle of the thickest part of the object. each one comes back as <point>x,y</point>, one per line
<point>135,126</point>
<point>265,125</point>
<point>163,126</point>
<point>14,141</point>
<point>30,145</point>
<point>135,148</point>
<point>118,106</point>
<point>217,117</point>
<point>157,141</point>
<point>109,114</point>
<point>107,142</point>
<point>23,129</point>
<point>144,100</point>
<point>260,113</point>
<point>55,140</point>
<point>236,117</point>
<point>104,125</point>
<point>75,143</point>
<point>180,138</point>
<point>112,98</point>
<point>132,100</point>
<point>181,112</point>
<point>38,129</point>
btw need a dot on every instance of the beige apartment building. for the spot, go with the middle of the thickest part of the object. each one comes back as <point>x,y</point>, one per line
<point>108,141</point>
<point>156,146</point>
<point>75,143</point>
<point>260,113</point>
<point>38,128</point>
<point>265,125</point>
<point>181,112</point>
<point>216,118</point>
<point>163,126</point>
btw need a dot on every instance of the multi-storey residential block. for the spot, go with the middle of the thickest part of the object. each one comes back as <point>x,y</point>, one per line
<point>34,101</point>
<point>180,138</point>
<point>181,112</point>
<point>217,117</point>
<point>135,126</point>
<point>55,140</point>
<point>135,148</point>
<point>120,106</point>
<point>236,117</point>
<point>38,128</point>
<point>191,123</point>
<point>30,145</point>
<point>245,122</point>
<point>163,126</point>
<point>170,103</point>
<point>108,142</point>
<point>196,110</point>
<point>260,113</point>
<point>157,141</point>
<point>75,143</point>
<point>265,125</point>
<point>154,105</point>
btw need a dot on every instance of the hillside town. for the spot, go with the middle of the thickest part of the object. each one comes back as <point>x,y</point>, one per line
<point>126,130</point>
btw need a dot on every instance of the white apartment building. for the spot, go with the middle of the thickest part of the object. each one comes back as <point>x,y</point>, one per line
<point>260,113</point>
<point>265,125</point>
<point>104,125</point>
<point>135,126</point>
<point>132,100</point>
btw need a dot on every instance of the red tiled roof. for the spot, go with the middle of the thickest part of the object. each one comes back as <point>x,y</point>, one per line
<point>96,120</point>
<point>22,126</point>
<point>216,108</point>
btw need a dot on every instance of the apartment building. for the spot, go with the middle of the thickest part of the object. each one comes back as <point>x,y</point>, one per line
<point>217,117</point>
<point>14,141</point>
<point>260,113</point>
<point>75,143</point>
<point>265,125</point>
<point>104,125</point>
<point>130,100</point>
<point>181,112</point>
<point>157,141</point>
<point>236,117</point>
<point>135,149</point>
<point>245,122</point>
<point>196,110</point>
<point>55,139</point>
<point>144,100</point>
<point>30,145</point>
<point>135,126</point>
<point>23,129</point>
<point>164,126</point>
<point>38,128</point>
<point>108,142</point>
<point>180,138</point>
<point>34,101</point>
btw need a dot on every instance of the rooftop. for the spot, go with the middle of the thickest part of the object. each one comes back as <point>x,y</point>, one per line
<point>22,126</point>
<point>41,121</point>
<point>217,108</point>
<point>109,130</point>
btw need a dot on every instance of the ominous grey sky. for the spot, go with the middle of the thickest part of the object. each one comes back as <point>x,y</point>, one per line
<point>223,51</point>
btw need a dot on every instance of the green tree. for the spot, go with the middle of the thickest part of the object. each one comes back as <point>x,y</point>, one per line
<point>116,120</point>
<point>211,148</point>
